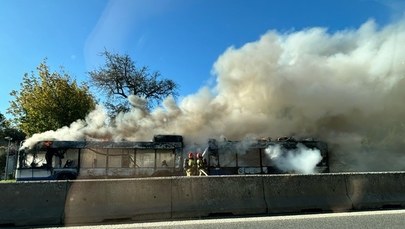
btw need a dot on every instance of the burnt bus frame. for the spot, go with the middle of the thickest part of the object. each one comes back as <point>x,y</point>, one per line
<point>175,147</point>
<point>214,147</point>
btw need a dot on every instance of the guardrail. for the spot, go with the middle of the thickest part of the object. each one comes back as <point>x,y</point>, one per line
<point>143,199</point>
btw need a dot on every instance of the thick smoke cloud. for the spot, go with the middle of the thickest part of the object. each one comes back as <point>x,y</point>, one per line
<point>345,88</point>
<point>301,160</point>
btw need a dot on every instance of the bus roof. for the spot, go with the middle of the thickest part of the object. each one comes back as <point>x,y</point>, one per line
<point>107,144</point>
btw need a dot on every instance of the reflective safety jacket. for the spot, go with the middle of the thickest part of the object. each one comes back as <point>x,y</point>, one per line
<point>201,163</point>
<point>191,163</point>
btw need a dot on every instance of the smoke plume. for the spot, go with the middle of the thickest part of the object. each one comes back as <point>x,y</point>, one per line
<point>345,88</point>
<point>301,160</point>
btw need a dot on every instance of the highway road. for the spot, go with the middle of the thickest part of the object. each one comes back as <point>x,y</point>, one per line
<point>366,219</point>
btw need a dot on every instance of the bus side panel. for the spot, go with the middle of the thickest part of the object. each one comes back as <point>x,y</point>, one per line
<point>33,174</point>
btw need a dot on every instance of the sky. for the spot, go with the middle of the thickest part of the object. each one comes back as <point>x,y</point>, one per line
<point>182,39</point>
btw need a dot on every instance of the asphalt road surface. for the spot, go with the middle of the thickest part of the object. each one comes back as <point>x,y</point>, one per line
<point>368,219</point>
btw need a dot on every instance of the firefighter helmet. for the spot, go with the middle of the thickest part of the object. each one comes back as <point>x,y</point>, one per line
<point>199,155</point>
<point>190,155</point>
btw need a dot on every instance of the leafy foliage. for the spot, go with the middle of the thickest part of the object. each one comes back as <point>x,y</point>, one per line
<point>49,101</point>
<point>3,122</point>
<point>6,130</point>
<point>120,78</point>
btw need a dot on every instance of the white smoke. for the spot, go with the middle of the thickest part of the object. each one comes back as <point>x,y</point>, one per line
<point>344,87</point>
<point>93,127</point>
<point>299,160</point>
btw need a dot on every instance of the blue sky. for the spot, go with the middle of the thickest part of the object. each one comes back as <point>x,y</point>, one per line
<point>180,38</point>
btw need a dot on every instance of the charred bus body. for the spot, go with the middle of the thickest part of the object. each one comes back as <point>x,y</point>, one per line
<point>252,156</point>
<point>61,160</point>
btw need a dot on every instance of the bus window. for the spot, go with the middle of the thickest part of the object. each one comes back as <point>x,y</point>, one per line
<point>94,158</point>
<point>250,159</point>
<point>165,158</point>
<point>88,158</point>
<point>145,158</point>
<point>70,157</point>
<point>115,158</point>
<point>128,159</point>
<point>101,158</point>
<point>227,157</point>
<point>35,159</point>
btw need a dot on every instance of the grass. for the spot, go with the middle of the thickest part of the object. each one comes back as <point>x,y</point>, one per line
<point>7,181</point>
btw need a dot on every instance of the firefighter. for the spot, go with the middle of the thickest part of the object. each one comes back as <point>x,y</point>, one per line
<point>190,165</point>
<point>201,165</point>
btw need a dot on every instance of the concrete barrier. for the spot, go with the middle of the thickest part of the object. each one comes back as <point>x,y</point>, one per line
<point>217,195</point>
<point>143,199</point>
<point>376,190</point>
<point>306,193</point>
<point>92,201</point>
<point>34,203</point>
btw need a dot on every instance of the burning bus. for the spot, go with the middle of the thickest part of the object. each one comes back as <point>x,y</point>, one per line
<point>66,160</point>
<point>62,160</point>
<point>267,156</point>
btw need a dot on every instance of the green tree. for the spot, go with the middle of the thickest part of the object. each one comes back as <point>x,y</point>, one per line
<point>6,130</point>
<point>120,78</point>
<point>49,101</point>
<point>3,122</point>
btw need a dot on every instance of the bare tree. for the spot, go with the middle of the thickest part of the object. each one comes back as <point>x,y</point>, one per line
<point>120,78</point>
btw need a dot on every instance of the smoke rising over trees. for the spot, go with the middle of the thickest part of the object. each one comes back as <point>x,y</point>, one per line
<point>345,88</point>
<point>49,101</point>
<point>119,78</point>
